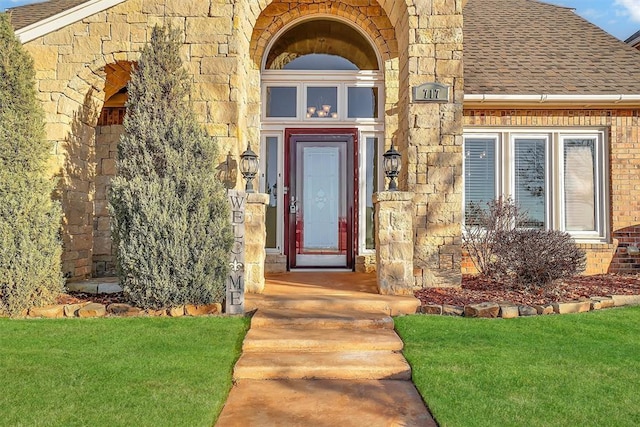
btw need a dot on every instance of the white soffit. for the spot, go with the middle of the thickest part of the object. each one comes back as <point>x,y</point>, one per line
<point>543,100</point>
<point>62,19</point>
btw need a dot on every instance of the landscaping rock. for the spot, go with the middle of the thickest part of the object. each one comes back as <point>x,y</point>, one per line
<point>124,310</point>
<point>92,310</point>
<point>431,309</point>
<point>544,309</point>
<point>525,310</point>
<point>484,309</point>
<point>508,311</point>
<point>70,310</point>
<point>620,300</point>
<point>202,310</point>
<point>154,313</point>
<point>48,312</point>
<point>452,310</point>
<point>603,302</point>
<point>571,307</point>
<point>176,311</point>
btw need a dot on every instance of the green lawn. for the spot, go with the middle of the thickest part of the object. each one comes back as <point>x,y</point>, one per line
<point>117,371</point>
<point>569,370</point>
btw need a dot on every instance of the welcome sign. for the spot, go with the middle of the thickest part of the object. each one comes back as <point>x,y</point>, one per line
<point>235,280</point>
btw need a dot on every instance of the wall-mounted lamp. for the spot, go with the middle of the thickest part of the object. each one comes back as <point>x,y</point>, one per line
<point>392,165</point>
<point>249,167</point>
<point>633,250</point>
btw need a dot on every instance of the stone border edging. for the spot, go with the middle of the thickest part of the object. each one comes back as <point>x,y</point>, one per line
<point>92,309</point>
<point>508,310</point>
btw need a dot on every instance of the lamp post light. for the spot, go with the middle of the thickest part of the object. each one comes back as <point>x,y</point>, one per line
<point>392,164</point>
<point>249,167</point>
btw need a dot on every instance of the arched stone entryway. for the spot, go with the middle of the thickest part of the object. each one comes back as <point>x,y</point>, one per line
<point>419,41</point>
<point>426,46</point>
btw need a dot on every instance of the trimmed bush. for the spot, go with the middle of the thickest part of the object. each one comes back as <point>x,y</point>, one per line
<point>30,248</point>
<point>535,259</point>
<point>170,216</point>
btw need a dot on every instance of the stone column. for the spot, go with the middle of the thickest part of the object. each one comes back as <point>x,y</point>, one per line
<point>430,138</point>
<point>394,242</point>
<point>255,236</point>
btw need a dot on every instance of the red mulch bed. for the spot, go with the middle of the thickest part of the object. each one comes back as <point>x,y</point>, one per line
<point>476,290</point>
<point>81,297</point>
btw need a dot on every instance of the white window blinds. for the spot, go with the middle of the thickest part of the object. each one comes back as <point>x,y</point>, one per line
<point>479,174</point>
<point>579,184</point>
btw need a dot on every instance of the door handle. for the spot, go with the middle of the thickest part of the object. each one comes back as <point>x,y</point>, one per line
<point>293,205</point>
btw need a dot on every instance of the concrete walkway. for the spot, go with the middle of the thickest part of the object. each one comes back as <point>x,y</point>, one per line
<point>322,351</point>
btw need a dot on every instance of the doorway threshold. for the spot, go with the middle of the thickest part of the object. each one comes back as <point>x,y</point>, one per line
<point>321,270</point>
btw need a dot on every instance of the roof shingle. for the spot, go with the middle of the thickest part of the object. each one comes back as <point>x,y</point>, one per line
<point>526,47</point>
<point>23,16</point>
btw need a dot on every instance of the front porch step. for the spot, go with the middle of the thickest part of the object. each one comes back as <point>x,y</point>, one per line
<point>307,319</point>
<point>320,340</point>
<point>387,304</point>
<point>347,365</point>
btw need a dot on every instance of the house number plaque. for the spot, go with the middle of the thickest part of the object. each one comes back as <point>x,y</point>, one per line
<point>431,92</point>
<point>235,280</point>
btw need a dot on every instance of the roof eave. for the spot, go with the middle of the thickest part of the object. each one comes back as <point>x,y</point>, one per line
<point>60,20</point>
<point>544,101</point>
<point>634,42</point>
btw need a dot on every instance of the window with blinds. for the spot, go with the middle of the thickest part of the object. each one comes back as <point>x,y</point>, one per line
<point>479,175</point>
<point>558,177</point>
<point>579,184</point>
<point>530,178</point>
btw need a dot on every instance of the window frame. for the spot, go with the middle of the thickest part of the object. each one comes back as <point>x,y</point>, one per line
<point>265,100</point>
<point>554,173</point>
<point>496,179</point>
<point>328,85</point>
<point>362,190</point>
<point>599,188</point>
<point>548,167</point>
<point>342,80</point>
<point>280,184</point>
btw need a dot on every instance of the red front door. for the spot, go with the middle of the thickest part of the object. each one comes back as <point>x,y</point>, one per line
<point>321,177</point>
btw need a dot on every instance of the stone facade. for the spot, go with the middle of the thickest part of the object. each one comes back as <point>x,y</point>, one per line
<point>366,263</point>
<point>107,137</point>
<point>394,242</point>
<point>255,237</point>
<point>224,42</point>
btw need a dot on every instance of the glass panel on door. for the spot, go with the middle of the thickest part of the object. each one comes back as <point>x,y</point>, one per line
<point>320,204</point>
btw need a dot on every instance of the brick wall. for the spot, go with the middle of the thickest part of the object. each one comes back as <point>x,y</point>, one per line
<point>623,132</point>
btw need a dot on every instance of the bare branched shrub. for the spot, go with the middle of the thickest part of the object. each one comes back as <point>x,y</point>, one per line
<point>535,259</point>
<point>483,228</point>
<point>523,257</point>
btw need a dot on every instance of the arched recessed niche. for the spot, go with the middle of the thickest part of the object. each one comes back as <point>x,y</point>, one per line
<point>322,44</point>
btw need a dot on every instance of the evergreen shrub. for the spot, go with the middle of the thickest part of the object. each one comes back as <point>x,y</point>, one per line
<point>170,216</point>
<point>30,247</point>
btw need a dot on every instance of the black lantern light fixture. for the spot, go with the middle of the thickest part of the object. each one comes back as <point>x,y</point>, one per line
<point>392,165</point>
<point>249,167</point>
